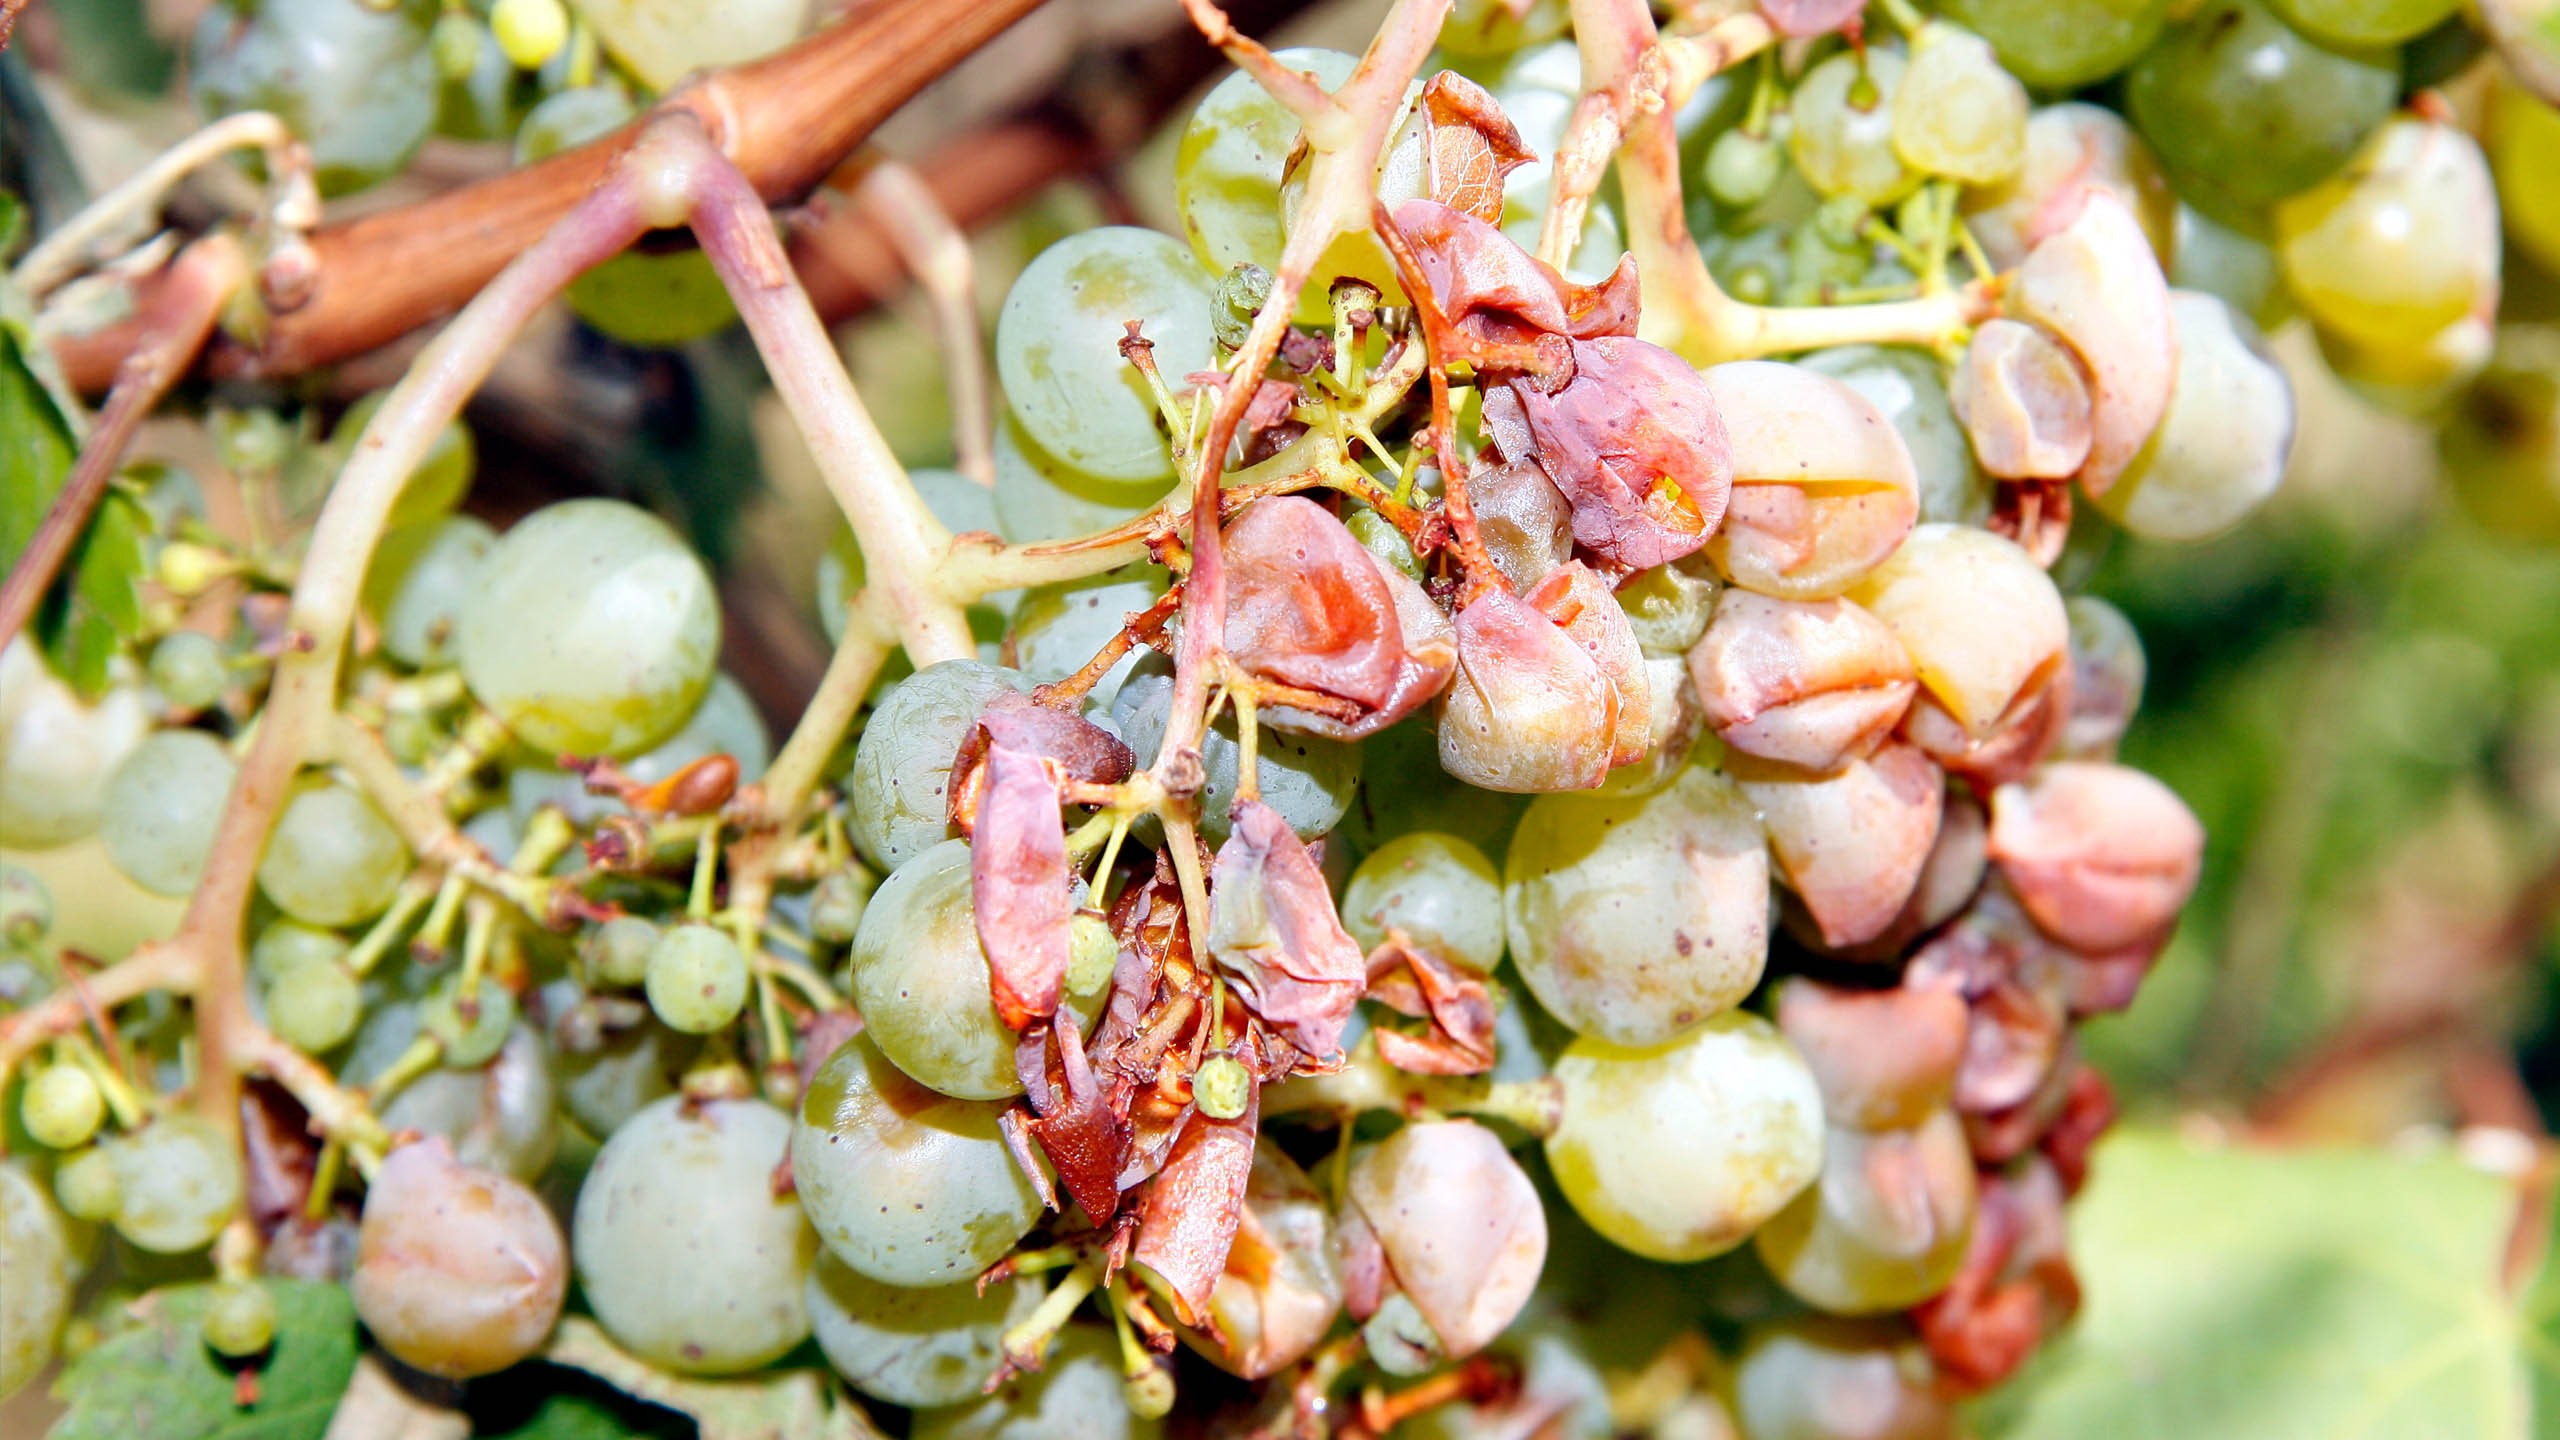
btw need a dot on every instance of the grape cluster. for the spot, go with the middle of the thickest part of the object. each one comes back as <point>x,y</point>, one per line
<point>1523,791</point>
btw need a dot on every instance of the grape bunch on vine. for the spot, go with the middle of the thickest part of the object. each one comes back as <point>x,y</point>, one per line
<point>1486,802</point>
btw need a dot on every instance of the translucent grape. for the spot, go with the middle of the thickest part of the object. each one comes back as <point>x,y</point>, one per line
<point>163,807</point>
<point>905,1185</point>
<point>687,1255</point>
<point>654,300</point>
<point>1307,779</point>
<point>459,1271</point>
<point>471,1034</point>
<point>663,43</point>
<point>1842,140</point>
<point>934,1346</point>
<point>1060,627</point>
<point>85,1184</point>
<point>60,1106</point>
<point>57,754</point>
<point>2245,111</point>
<point>902,766</point>
<point>288,944</point>
<point>2222,448</point>
<point>1355,251</point>
<point>36,1273</point>
<point>1742,167</point>
<point>1681,1151</point>
<point>1438,889</point>
<point>1635,919</point>
<point>697,978</point>
<point>422,579</point>
<point>2399,245</point>
<point>314,1006</point>
<point>178,1180</point>
<point>1227,172</point>
<point>2241,270</point>
<point>617,952</point>
<point>1886,1225</point>
<point>240,1320</point>
<point>837,903</point>
<point>1821,1379</point>
<point>189,670</point>
<point>1075,1395</point>
<point>1039,497</point>
<point>2364,22</point>
<point>1956,112</point>
<point>1910,390</point>
<point>569,118</point>
<point>501,1115</point>
<point>332,859</point>
<point>2063,44</point>
<point>594,630</point>
<point>356,84</point>
<point>1058,338</point>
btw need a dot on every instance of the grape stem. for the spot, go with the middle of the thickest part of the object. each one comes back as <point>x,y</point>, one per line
<point>182,314</point>
<point>59,255</point>
<point>936,253</point>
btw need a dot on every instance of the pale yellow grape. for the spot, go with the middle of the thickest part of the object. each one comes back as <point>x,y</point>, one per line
<point>1886,1225</point>
<point>1957,113</point>
<point>1226,179</point>
<point>1934,593</point>
<point>663,43</point>
<point>2524,153</point>
<point>2221,450</point>
<point>1058,346</point>
<point>1843,146</point>
<point>2399,245</point>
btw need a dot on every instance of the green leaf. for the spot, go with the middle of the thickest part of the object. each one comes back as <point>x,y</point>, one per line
<point>95,604</point>
<point>2283,1295</point>
<point>156,1380</point>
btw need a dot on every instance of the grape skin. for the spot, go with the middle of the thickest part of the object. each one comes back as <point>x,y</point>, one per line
<point>179,1180</point>
<point>459,1272</point>
<point>902,767</point>
<point>163,806</point>
<point>1057,346</point>
<point>1438,889</point>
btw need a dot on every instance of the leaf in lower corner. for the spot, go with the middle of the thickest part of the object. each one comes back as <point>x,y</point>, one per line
<point>95,604</point>
<point>155,1380</point>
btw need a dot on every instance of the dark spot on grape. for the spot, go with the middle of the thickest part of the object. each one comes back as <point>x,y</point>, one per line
<point>1680,941</point>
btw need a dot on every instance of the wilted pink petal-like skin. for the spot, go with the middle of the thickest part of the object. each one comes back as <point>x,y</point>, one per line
<point>1272,922</point>
<point>2096,284</point>
<point>1461,1225</point>
<point>459,1271</point>
<point>1018,886</point>
<point>1490,288</point>
<point>1194,1205</point>
<point>2026,733</point>
<point>1306,605</point>
<point>1852,844</point>
<point>1823,485</point>
<point>1810,17</point>
<point>1529,710</point>
<point>1583,606</point>
<point>1638,449</point>
<point>2102,856</point>
<point>1281,1288</point>
<point>1812,683</point>
<point>1885,1059</point>
<point>1430,658</point>
<point>2023,403</point>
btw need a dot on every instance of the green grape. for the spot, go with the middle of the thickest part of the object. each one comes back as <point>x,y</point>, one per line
<point>2500,443</point>
<point>2241,270</point>
<point>483,96</point>
<point>1075,1395</point>
<point>654,300</point>
<point>61,1107</point>
<point>686,1254</point>
<point>163,807</point>
<point>1636,919</point>
<point>593,631</point>
<point>1957,113</point>
<point>440,480</point>
<point>2401,244</point>
<point>1667,606</point>
<point>916,1348</point>
<point>725,723</point>
<point>57,754</point>
<point>1385,543</point>
<point>1227,172</point>
<point>1681,1151</point>
<point>922,985</point>
<point>1499,27</point>
<point>1886,1225</point>
<point>2245,112</point>
<point>471,1035</point>
<point>26,907</point>
<point>631,1068</point>
<point>1307,779</point>
<point>2221,449</point>
<point>1910,389</point>
<point>332,859</point>
<point>530,31</point>
<point>313,1006</point>
<point>907,1186</point>
<point>1039,497</point>
<point>1742,167</point>
<point>837,902</point>
<point>1425,797</point>
<point>1438,889</point>
<point>459,1271</point>
<point>286,945</point>
<point>178,1180</point>
<point>616,953</point>
<point>697,978</point>
<point>355,83</point>
<point>569,118</point>
<point>1355,251</point>
<point>2364,22</point>
<point>664,43</point>
<point>2063,44</point>
<point>500,1116</point>
<point>189,670</point>
<point>37,1269</point>
<point>1060,627</point>
<point>1842,138</point>
<point>902,766</point>
<point>2524,153</point>
<point>240,1320</point>
<point>1815,1378</point>
<point>1058,338</point>
<point>455,39</point>
<point>85,1184</point>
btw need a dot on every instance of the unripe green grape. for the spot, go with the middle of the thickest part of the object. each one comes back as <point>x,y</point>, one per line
<point>569,118</point>
<point>663,43</point>
<point>189,670</point>
<point>26,907</point>
<point>1222,1087</point>
<point>240,1319</point>
<point>2364,22</point>
<point>459,1271</point>
<point>488,95</point>
<point>180,1182</point>
<point>652,300</point>
<point>594,631</point>
<point>2063,44</point>
<point>1060,627</point>
<point>837,903</point>
<point>455,39</point>
<point>443,474</point>
<point>1227,171</point>
<point>1093,955</point>
<point>36,1274</point>
<point>1075,1393</point>
<point>616,953</point>
<point>1039,497</point>
<point>1307,779</point>
<point>1668,606</point>
<point>332,859</point>
<point>355,83</point>
<point>313,1006</point>
<point>56,753</point>
<point>61,1106</point>
<point>85,1184</point>
<point>1058,337</point>
<point>1439,890</point>
<point>686,1254</point>
<point>634,1067</point>
<point>530,31</point>
<point>470,1035</point>
<point>1842,138</point>
<point>1742,167</point>
<point>2399,245</point>
<point>163,807</point>
<point>1424,797</point>
<point>905,1185</point>
<point>913,1347</point>
<point>902,766</point>
<point>289,944</point>
<point>1681,1151</point>
<point>697,978</point>
<point>1957,113</point>
<point>422,578</point>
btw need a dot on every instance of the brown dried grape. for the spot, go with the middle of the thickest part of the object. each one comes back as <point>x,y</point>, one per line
<point>1886,1225</point>
<point>2023,402</point>
<point>1281,1289</point>
<point>2096,284</point>
<point>1306,605</point>
<point>1885,1059</point>
<point>1811,683</point>
<point>1823,486</point>
<point>1463,1231</point>
<point>1850,844</point>
<point>1980,619</point>
<point>2102,856</point>
<point>459,1271</point>
<point>1522,519</point>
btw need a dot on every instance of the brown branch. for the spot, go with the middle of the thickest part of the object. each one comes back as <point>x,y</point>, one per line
<point>173,328</point>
